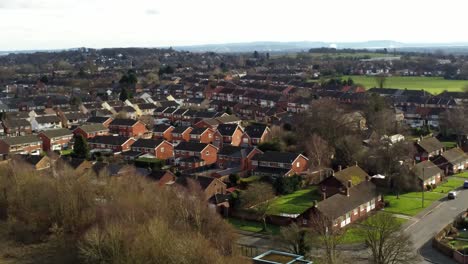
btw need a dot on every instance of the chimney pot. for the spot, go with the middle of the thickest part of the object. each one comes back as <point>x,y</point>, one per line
<point>324,195</point>
<point>339,167</point>
<point>350,184</point>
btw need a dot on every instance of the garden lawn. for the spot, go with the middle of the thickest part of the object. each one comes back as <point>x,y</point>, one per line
<point>410,203</point>
<point>295,203</point>
<point>449,144</point>
<point>252,226</point>
<point>462,175</point>
<point>433,85</point>
<point>66,152</point>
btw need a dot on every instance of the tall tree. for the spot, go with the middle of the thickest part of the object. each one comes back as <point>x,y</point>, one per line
<point>327,237</point>
<point>124,94</point>
<point>80,147</point>
<point>296,239</point>
<point>258,197</point>
<point>318,151</point>
<point>387,243</point>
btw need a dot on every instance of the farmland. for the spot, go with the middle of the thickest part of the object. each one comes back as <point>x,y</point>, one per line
<point>434,85</point>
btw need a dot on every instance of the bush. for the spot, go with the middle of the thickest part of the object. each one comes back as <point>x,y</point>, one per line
<point>386,203</point>
<point>287,185</point>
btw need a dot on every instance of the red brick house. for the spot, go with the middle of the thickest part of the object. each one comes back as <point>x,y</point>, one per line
<point>202,135</point>
<point>162,177</point>
<point>56,139</point>
<point>342,209</point>
<point>339,181</point>
<point>209,185</point>
<point>17,127</point>
<point>452,161</point>
<point>228,134</point>
<point>428,173</point>
<point>279,164</point>
<point>428,148</point>
<point>236,157</point>
<point>160,148</point>
<point>21,145</point>
<point>255,134</point>
<point>103,120</point>
<point>181,134</point>
<point>163,132</point>
<point>111,143</point>
<point>91,130</point>
<point>127,127</point>
<point>205,152</point>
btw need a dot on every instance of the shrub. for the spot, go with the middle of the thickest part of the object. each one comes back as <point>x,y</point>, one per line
<point>386,203</point>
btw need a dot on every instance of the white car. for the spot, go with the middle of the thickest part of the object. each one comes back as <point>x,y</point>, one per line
<point>452,195</point>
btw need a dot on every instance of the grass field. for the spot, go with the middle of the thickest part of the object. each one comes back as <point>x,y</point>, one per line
<point>252,226</point>
<point>411,203</point>
<point>294,203</point>
<point>462,175</point>
<point>434,85</point>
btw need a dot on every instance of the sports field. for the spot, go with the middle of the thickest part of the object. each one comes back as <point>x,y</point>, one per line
<point>434,85</point>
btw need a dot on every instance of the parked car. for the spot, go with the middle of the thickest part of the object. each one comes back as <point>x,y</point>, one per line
<point>452,195</point>
<point>465,185</point>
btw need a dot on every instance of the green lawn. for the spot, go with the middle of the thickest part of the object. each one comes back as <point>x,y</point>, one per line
<point>433,85</point>
<point>252,226</point>
<point>449,144</point>
<point>66,152</point>
<point>250,179</point>
<point>462,175</point>
<point>411,203</point>
<point>294,203</point>
<point>149,160</point>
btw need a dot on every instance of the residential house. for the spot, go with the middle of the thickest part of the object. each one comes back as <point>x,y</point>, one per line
<point>228,134</point>
<point>91,130</point>
<point>279,164</point>
<point>104,120</point>
<point>162,177</point>
<point>73,119</point>
<point>236,157</point>
<point>21,145</point>
<point>56,139</point>
<point>40,123</point>
<point>255,134</point>
<point>338,182</point>
<point>452,161</point>
<point>111,143</point>
<point>37,162</point>
<point>202,135</point>
<point>127,127</point>
<point>428,173</point>
<point>209,185</point>
<point>428,148</point>
<point>181,134</point>
<point>16,127</point>
<point>163,132</point>
<point>202,152</point>
<point>80,166</point>
<point>159,148</point>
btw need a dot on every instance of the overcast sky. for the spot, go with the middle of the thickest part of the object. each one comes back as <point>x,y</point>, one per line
<point>55,24</point>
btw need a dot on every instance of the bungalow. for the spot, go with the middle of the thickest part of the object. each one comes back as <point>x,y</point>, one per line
<point>338,182</point>
<point>159,148</point>
<point>104,120</point>
<point>127,127</point>
<point>202,135</point>
<point>21,145</point>
<point>16,127</point>
<point>57,139</point>
<point>206,152</point>
<point>91,130</point>
<point>428,173</point>
<point>345,208</point>
<point>255,134</point>
<point>111,143</point>
<point>428,148</point>
<point>180,134</point>
<point>452,161</point>
<point>279,164</point>
<point>163,132</point>
<point>228,134</point>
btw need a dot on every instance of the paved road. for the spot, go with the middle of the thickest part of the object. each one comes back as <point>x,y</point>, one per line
<point>425,226</point>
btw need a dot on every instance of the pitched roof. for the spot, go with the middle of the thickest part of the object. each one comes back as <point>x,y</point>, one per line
<point>21,140</point>
<point>227,129</point>
<point>204,181</point>
<point>276,156</point>
<point>340,204</point>
<point>32,159</point>
<point>158,174</point>
<point>161,128</point>
<point>426,169</point>
<point>98,119</point>
<point>75,115</point>
<point>229,150</point>
<point>180,129</point>
<point>147,143</point>
<point>61,132</point>
<point>191,146</point>
<point>354,174</point>
<point>430,144</point>
<point>228,119</point>
<point>123,122</point>
<point>12,123</point>
<point>93,128</point>
<point>47,119</point>
<point>255,131</point>
<point>455,155</point>
<point>109,140</point>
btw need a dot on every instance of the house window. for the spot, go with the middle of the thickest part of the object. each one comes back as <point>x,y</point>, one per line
<point>298,164</point>
<point>162,150</point>
<point>207,152</point>
<point>210,135</point>
<point>355,211</point>
<point>304,221</point>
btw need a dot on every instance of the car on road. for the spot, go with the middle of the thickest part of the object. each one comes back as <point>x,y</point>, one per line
<point>465,185</point>
<point>452,195</point>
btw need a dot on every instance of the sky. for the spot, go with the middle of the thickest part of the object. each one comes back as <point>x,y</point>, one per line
<point>57,24</point>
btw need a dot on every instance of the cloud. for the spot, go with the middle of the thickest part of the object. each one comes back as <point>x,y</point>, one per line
<point>152,12</point>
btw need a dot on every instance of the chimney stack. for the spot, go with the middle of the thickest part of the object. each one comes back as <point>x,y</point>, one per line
<point>368,178</point>
<point>324,195</point>
<point>315,203</point>
<point>350,184</point>
<point>339,167</point>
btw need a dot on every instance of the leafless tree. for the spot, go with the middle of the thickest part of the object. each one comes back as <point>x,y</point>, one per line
<point>318,151</point>
<point>327,237</point>
<point>296,239</point>
<point>258,197</point>
<point>387,242</point>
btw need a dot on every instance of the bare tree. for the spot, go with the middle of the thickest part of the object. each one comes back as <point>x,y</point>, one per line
<point>327,237</point>
<point>258,197</point>
<point>381,79</point>
<point>296,239</point>
<point>455,121</point>
<point>318,151</point>
<point>386,242</point>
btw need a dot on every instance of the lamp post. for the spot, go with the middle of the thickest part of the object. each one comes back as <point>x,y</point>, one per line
<point>422,200</point>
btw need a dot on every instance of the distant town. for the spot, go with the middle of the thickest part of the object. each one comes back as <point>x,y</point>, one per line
<point>144,155</point>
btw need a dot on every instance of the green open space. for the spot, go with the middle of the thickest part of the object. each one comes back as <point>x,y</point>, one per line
<point>449,144</point>
<point>253,226</point>
<point>66,152</point>
<point>295,203</point>
<point>462,175</point>
<point>434,85</point>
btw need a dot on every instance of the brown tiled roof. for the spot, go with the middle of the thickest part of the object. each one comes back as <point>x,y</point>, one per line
<point>430,144</point>
<point>354,174</point>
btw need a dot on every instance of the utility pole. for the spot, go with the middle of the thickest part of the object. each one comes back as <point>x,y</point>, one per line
<point>423,187</point>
